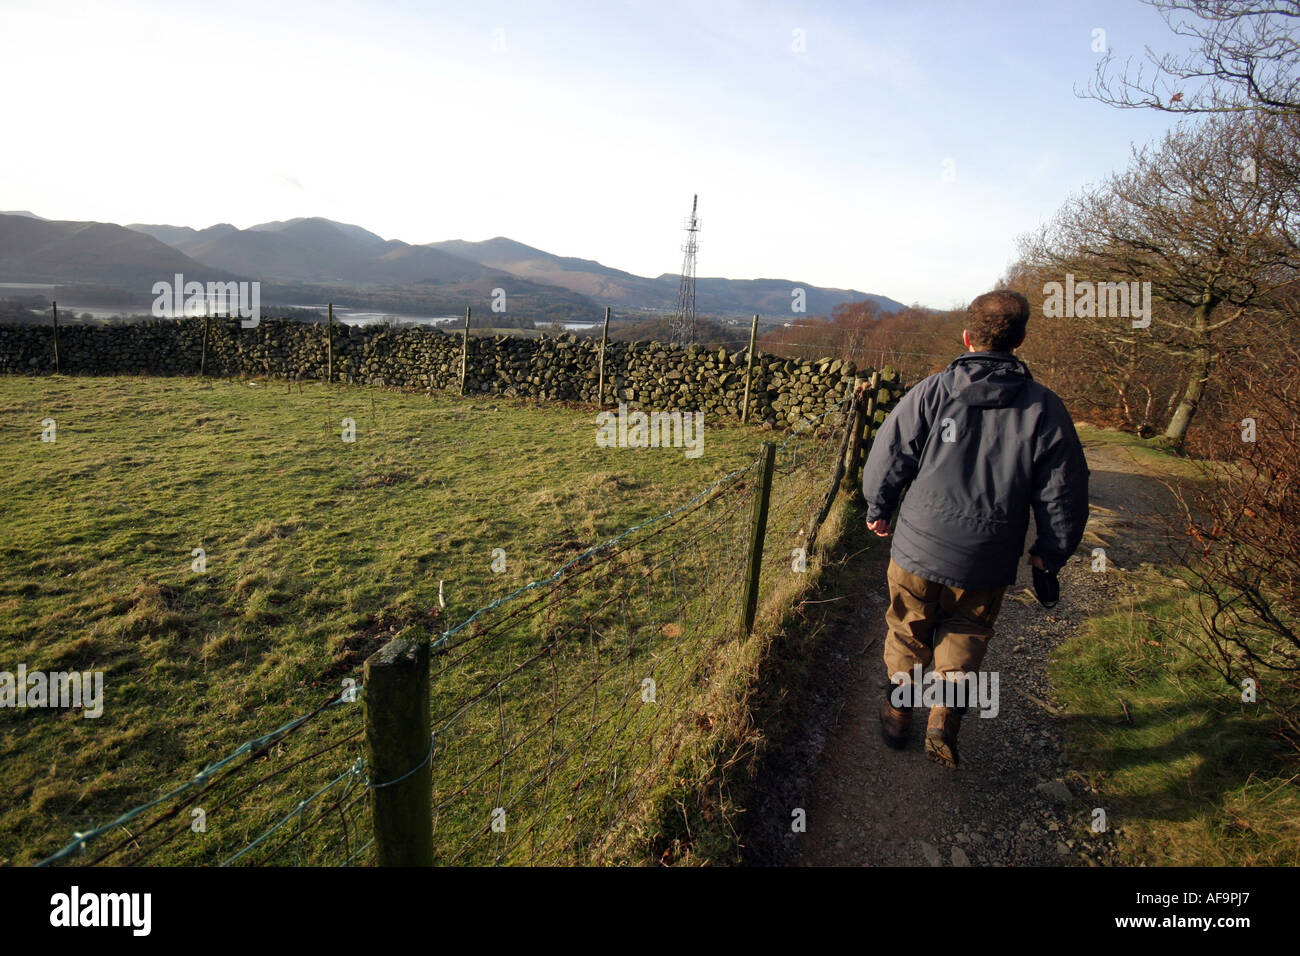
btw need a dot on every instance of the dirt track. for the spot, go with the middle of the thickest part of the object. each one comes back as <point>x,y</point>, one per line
<point>1014,801</point>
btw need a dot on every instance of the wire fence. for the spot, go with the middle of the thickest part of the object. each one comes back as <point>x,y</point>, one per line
<point>557,711</point>
<point>540,755</point>
<point>877,354</point>
<point>234,810</point>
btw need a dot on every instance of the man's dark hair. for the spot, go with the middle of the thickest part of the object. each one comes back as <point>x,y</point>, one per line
<point>996,320</point>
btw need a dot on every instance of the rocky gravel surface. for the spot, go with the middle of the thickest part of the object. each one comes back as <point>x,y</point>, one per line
<point>1015,800</point>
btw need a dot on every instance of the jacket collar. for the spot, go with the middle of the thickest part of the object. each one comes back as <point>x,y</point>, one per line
<point>991,358</point>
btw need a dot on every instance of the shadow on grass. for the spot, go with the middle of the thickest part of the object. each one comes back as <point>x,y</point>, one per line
<point>1193,774</point>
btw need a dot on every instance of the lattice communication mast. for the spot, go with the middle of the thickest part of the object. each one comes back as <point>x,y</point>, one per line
<point>684,314</point>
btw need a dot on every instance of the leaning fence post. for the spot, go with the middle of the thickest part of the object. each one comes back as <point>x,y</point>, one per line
<point>464,351</point>
<point>861,430</point>
<point>850,432</point>
<point>55,320</point>
<point>329,345</point>
<point>203,349</point>
<point>604,340</point>
<point>871,407</point>
<point>398,752</point>
<point>749,371</point>
<point>758,530</point>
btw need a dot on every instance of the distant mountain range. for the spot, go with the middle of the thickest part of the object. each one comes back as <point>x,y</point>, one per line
<point>616,287</point>
<point>41,250</point>
<point>319,252</point>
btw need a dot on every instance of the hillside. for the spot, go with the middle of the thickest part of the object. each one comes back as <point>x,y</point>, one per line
<point>319,254</point>
<point>316,250</point>
<point>715,296</point>
<point>41,250</point>
<point>585,276</point>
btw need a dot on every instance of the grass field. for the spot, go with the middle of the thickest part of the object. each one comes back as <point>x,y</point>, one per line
<point>316,550</point>
<point>1193,775</point>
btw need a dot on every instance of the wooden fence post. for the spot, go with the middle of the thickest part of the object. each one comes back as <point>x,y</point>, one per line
<point>464,351</point>
<point>329,346</point>
<point>203,348</point>
<point>55,320</point>
<point>862,431</point>
<point>749,371</point>
<point>758,529</point>
<point>604,340</point>
<point>851,433</point>
<point>398,752</point>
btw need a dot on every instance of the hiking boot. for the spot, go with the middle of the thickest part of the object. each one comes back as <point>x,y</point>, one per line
<point>941,735</point>
<point>895,723</point>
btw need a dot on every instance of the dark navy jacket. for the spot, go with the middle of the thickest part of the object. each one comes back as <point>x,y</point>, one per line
<point>977,447</point>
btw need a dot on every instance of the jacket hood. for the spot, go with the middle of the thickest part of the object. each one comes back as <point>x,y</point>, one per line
<point>986,379</point>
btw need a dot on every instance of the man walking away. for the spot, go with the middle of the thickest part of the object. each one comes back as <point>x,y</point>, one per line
<point>976,447</point>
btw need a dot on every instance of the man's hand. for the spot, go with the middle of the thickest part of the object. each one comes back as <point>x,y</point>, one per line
<point>880,526</point>
<point>1046,586</point>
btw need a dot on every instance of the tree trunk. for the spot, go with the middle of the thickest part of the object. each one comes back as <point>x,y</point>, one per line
<point>1202,363</point>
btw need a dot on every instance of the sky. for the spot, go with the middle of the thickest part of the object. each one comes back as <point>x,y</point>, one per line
<point>894,148</point>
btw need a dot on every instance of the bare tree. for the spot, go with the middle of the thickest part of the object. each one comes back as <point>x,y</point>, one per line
<point>1209,219</point>
<point>1096,364</point>
<point>1248,59</point>
<point>1244,525</point>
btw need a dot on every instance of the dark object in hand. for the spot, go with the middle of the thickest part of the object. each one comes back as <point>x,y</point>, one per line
<point>1046,587</point>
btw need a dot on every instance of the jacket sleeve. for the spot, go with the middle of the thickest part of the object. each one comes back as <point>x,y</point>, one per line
<point>895,454</point>
<point>1060,488</point>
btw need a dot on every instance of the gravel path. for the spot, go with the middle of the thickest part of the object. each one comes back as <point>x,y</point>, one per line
<point>1014,801</point>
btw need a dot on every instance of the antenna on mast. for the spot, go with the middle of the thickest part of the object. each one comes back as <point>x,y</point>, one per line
<point>683,324</point>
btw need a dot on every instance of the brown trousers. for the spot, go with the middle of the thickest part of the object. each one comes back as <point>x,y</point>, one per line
<point>934,624</point>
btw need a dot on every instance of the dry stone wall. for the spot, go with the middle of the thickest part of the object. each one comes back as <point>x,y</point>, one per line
<point>644,375</point>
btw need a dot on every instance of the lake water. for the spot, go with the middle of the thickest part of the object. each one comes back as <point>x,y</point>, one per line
<point>345,316</point>
<point>72,308</point>
<point>370,318</point>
